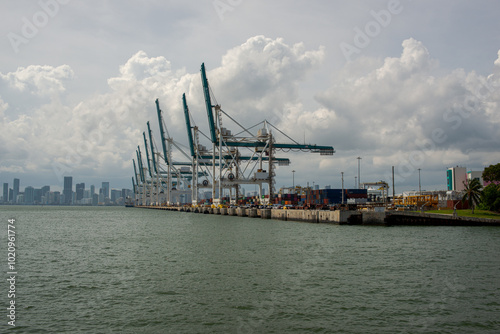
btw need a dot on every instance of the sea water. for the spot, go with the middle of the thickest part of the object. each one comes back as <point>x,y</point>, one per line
<point>130,270</point>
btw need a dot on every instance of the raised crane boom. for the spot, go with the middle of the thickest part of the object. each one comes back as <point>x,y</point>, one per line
<point>188,125</point>
<point>251,142</point>
<point>152,149</point>
<point>141,165</point>
<point>133,186</point>
<point>162,131</point>
<point>263,143</point>
<point>208,104</point>
<point>147,154</point>
<point>135,172</point>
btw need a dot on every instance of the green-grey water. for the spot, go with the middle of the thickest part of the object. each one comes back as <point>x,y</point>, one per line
<point>128,270</point>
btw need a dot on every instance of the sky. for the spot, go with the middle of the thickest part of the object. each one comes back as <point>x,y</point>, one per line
<point>409,84</point>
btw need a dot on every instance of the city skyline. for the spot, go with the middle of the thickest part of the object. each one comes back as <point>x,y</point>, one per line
<point>77,193</point>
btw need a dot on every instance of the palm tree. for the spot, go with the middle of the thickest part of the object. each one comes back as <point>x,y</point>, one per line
<point>472,193</point>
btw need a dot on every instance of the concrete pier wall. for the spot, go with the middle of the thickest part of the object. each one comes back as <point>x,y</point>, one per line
<point>373,218</point>
<point>265,213</point>
<point>241,212</point>
<point>313,216</point>
<point>341,217</point>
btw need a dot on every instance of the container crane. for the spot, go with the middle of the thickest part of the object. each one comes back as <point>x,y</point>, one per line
<point>136,184</point>
<point>183,174</point>
<point>207,160</point>
<point>263,145</point>
<point>142,189</point>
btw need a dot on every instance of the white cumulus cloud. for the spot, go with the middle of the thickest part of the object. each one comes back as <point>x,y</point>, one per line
<point>383,109</point>
<point>39,80</point>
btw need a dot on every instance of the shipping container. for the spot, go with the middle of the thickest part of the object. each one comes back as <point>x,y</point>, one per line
<point>357,196</point>
<point>357,191</point>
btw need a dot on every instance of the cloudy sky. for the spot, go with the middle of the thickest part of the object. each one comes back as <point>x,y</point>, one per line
<point>410,84</point>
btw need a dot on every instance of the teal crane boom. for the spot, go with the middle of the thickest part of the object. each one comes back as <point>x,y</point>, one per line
<point>135,172</point>
<point>141,165</point>
<point>188,125</point>
<point>208,104</point>
<point>165,141</point>
<point>263,143</point>
<point>323,150</point>
<point>152,148</point>
<point>206,157</point>
<point>162,132</point>
<point>147,154</point>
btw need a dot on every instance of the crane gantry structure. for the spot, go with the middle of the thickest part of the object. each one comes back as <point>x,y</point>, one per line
<point>242,158</point>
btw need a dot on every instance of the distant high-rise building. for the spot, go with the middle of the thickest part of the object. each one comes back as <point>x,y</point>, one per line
<point>45,190</point>
<point>29,195</point>
<point>101,195</point>
<point>11,194</point>
<point>37,196</point>
<point>95,199</point>
<point>45,194</point>
<point>471,175</point>
<point>92,191</point>
<point>15,191</point>
<point>455,178</point>
<point>105,189</point>
<point>80,187</point>
<point>115,194</point>
<point>5,192</point>
<point>54,197</point>
<point>68,189</point>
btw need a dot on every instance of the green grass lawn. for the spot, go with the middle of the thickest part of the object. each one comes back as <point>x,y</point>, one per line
<point>468,213</point>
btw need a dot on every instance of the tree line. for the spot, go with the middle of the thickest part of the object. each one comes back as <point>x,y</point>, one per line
<point>487,198</point>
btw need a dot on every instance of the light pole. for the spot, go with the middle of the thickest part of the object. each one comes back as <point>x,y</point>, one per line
<point>419,188</point>
<point>293,180</point>
<point>359,178</point>
<point>342,187</point>
<point>355,182</point>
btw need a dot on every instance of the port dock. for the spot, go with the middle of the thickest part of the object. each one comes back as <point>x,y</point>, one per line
<point>339,217</point>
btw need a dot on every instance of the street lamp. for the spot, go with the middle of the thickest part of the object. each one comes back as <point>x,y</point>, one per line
<point>355,182</point>
<point>293,180</point>
<point>359,178</point>
<point>419,188</point>
<point>342,187</point>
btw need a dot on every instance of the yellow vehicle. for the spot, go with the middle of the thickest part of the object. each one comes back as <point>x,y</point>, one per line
<point>220,206</point>
<point>417,200</point>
